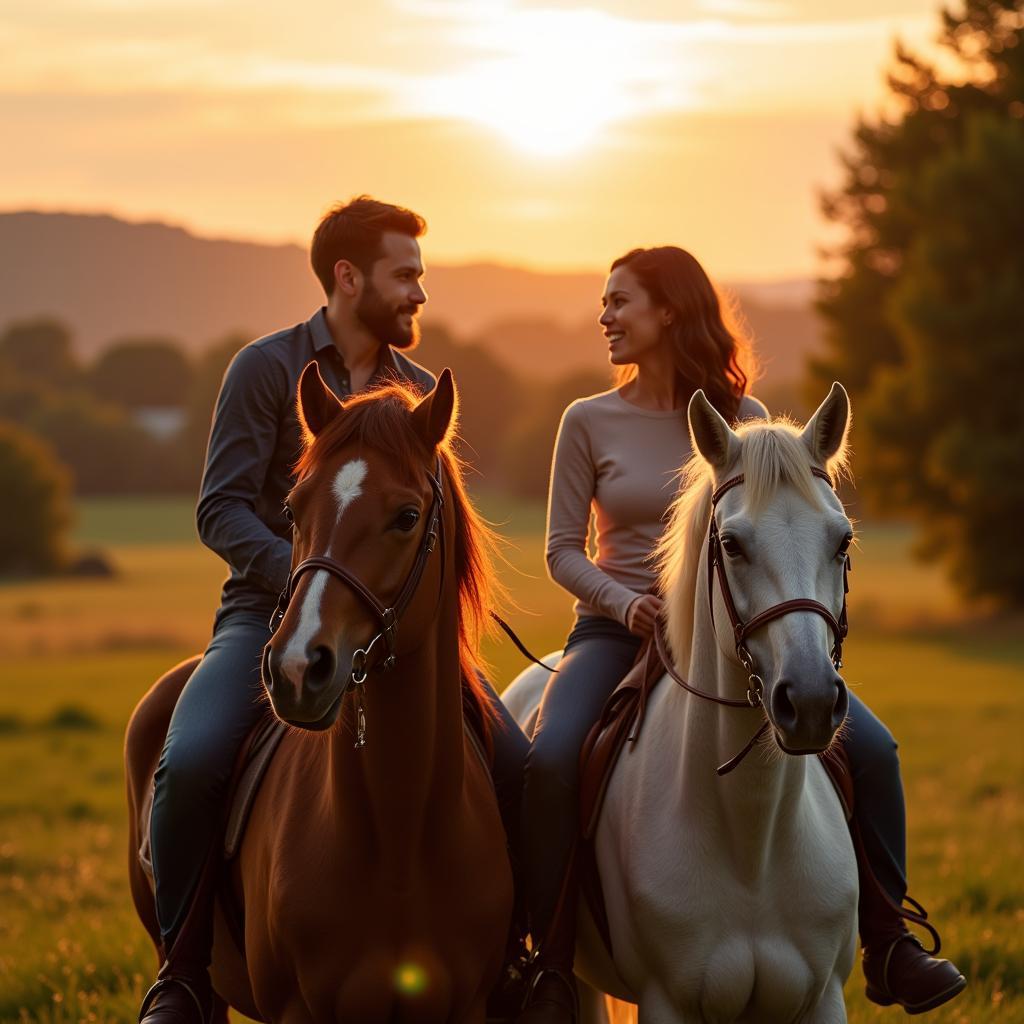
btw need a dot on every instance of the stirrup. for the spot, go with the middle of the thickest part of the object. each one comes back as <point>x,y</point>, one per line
<point>162,983</point>
<point>567,982</point>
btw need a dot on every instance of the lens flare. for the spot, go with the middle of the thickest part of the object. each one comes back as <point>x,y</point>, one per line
<point>410,979</point>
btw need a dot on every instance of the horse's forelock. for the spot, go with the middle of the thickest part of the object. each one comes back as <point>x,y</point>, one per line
<point>378,418</point>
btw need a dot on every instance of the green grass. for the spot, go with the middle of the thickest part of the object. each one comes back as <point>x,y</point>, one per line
<point>79,654</point>
<point>126,521</point>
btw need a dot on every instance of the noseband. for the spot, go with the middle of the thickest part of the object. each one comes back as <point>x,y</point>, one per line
<point>388,616</point>
<point>741,630</point>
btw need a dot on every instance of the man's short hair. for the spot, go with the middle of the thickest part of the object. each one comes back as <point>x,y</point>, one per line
<point>352,231</point>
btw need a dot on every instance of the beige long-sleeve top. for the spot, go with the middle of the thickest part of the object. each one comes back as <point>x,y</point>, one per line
<point>617,463</point>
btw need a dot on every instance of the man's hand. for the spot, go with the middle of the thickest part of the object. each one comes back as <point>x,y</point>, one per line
<point>642,614</point>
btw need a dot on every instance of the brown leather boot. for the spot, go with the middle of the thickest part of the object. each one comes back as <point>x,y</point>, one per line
<point>898,969</point>
<point>902,972</point>
<point>177,999</point>
<point>552,998</point>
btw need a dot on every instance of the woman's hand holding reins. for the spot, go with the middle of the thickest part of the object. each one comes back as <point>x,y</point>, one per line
<point>643,614</point>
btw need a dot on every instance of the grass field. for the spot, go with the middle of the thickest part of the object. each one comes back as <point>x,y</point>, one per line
<point>79,653</point>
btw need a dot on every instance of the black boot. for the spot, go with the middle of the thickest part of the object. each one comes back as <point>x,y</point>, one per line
<point>552,997</point>
<point>182,993</point>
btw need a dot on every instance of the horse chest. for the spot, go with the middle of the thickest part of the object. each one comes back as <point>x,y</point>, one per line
<point>720,925</point>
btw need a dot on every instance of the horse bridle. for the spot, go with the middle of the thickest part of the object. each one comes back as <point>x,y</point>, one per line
<point>741,630</point>
<point>388,616</point>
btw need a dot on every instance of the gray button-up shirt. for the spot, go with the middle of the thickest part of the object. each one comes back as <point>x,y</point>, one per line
<point>255,441</point>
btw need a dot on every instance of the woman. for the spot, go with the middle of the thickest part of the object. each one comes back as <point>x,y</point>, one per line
<point>618,453</point>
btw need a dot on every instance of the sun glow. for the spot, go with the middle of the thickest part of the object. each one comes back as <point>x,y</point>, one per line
<point>556,80</point>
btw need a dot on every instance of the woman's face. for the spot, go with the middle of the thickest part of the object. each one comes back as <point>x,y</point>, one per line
<point>632,324</point>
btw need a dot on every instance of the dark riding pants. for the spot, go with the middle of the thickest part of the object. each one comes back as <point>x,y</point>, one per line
<point>219,705</point>
<point>598,653</point>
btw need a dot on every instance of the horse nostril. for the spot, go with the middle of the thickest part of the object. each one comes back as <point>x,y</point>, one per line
<point>841,707</point>
<point>320,670</point>
<point>268,668</point>
<point>783,710</point>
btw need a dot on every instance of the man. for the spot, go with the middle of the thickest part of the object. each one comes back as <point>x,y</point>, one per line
<point>367,258</point>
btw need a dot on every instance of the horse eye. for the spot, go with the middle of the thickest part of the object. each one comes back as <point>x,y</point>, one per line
<point>845,546</point>
<point>288,514</point>
<point>407,519</point>
<point>731,546</point>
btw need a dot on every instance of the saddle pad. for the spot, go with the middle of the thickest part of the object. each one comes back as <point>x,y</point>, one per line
<point>262,745</point>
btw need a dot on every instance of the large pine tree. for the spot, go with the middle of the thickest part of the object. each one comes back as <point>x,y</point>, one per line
<point>925,311</point>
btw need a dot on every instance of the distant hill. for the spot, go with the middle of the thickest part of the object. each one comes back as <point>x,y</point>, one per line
<point>108,278</point>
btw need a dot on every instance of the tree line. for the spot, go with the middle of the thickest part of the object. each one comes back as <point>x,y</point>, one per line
<point>71,429</point>
<point>92,415</point>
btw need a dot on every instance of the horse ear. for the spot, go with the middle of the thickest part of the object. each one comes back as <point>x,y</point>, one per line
<point>825,433</point>
<point>712,436</point>
<point>434,416</point>
<point>318,404</point>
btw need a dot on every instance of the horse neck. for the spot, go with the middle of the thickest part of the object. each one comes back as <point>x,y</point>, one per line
<point>413,760</point>
<point>748,803</point>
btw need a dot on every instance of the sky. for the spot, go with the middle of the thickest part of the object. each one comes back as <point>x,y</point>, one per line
<point>547,133</point>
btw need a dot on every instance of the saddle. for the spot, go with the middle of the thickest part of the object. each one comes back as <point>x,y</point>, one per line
<point>620,724</point>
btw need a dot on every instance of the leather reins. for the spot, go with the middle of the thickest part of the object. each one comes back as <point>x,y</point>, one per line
<point>741,629</point>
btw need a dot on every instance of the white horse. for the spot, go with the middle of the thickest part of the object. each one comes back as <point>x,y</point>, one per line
<point>734,897</point>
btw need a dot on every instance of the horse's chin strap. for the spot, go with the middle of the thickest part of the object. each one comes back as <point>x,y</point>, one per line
<point>741,629</point>
<point>387,616</point>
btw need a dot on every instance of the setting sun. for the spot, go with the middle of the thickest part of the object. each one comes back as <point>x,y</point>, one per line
<point>556,79</point>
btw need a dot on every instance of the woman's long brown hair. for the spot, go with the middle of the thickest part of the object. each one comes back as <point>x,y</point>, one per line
<point>709,349</point>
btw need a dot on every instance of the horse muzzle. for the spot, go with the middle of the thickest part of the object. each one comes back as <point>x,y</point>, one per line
<point>305,691</point>
<point>805,715</point>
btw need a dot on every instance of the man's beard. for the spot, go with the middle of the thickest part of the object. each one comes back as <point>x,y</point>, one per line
<point>384,322</point>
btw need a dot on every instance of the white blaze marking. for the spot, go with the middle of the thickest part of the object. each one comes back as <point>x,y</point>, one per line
<point>294,658</point>
<point>346,488</point>
<point>348,484</point>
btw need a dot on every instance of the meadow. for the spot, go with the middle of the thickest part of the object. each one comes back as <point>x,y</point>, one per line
<point>78,653</point>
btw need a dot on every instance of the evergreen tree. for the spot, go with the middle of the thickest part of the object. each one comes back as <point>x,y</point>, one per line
<point>925,311</point>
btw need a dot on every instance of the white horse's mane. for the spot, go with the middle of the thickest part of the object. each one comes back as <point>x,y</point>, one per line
<point>772,453</point>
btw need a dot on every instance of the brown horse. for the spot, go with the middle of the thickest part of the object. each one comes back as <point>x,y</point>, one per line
<point>373,873</point>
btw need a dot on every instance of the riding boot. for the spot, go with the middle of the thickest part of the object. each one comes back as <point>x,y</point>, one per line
<point>182,993</point>
<point>898,969</point>
<point>552,997</point>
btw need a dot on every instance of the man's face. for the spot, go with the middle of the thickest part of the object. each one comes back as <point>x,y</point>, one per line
<point>392,293</point>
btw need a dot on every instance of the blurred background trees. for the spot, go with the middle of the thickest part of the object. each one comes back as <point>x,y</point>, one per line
<point>925,308</point>
<point>36,511</point>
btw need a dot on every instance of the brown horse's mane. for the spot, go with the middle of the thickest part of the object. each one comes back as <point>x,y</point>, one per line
<point>378,418</point>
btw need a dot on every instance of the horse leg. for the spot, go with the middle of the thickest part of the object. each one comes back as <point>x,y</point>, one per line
<point>655,1007</point>
<point>832,1007</point>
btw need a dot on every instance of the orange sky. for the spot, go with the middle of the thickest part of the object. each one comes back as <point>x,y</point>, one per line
<point>557,134</point>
